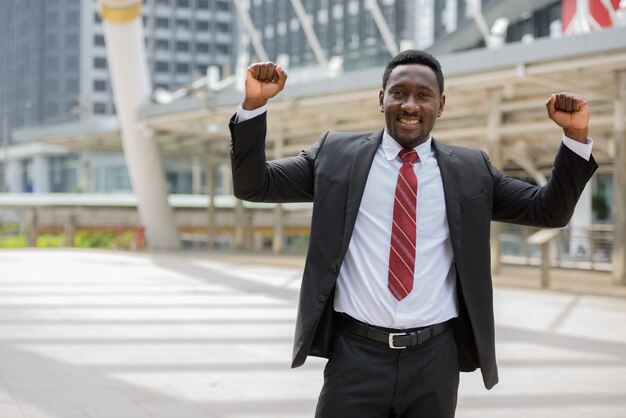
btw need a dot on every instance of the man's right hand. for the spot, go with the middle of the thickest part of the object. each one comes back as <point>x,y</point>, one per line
<point>264,80</point>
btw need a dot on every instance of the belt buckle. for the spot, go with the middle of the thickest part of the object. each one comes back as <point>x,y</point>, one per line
<point>393,334</point>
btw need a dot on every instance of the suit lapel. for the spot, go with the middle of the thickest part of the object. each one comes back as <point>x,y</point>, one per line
<point>359,172</point>
<point>449,166</point>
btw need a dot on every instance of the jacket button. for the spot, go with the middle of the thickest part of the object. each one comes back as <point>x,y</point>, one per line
<point>321,298</point>
<point>333,268</point>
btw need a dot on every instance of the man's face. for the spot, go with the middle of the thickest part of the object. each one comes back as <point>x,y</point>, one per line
<point>411,103</point>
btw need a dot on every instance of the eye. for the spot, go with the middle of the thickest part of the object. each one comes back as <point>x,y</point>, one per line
<point>397,93</point>
<point>424,95</point>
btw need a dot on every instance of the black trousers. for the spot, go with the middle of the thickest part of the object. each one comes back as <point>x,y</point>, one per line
<point>367,379</point>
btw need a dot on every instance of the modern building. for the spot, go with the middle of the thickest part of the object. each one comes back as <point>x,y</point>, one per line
<point>54,70</point>
<point>495,94</point>
<point>362,32</point>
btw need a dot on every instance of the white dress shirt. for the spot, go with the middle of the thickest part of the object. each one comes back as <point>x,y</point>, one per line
<point>362,290</point>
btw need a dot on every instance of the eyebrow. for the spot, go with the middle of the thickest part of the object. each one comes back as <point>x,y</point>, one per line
<point>419,87</point>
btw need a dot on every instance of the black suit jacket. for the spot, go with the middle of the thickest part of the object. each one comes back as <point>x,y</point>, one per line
<point>332,174</point>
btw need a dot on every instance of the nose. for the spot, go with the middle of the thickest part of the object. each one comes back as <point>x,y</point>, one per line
<point>410,104</point>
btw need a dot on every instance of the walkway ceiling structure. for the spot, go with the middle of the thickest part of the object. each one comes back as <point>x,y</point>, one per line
<point>492,97</point>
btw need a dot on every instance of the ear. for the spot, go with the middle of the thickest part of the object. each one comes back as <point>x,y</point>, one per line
<point>442,103</point>
<point>381,96</point>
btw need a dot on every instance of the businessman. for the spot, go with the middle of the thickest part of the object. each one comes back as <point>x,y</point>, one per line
<point>396,290</point>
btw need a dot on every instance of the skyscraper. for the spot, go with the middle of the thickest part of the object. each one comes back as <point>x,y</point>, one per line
<point>54,70</point>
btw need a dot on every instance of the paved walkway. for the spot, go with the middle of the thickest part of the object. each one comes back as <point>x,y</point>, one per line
<point>121,335</point>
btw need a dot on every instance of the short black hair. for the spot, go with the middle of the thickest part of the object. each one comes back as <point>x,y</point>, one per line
<point>414,56</point>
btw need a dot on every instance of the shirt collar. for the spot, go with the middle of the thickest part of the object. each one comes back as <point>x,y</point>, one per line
<point>391,148</point>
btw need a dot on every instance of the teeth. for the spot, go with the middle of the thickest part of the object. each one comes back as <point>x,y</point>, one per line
<point>409,121</point>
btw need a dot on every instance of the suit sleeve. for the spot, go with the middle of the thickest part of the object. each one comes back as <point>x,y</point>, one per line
<point>258,180</point>
<point>552,205</point>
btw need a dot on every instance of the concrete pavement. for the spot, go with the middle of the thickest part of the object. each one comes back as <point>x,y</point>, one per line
<point>95,334</point>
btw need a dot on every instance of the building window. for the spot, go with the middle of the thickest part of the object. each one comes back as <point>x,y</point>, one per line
<point>100,62</point>
<point>202,47</point>
<point>182,46</point>
<point>98,40</point>
<point>223,5</point>
<point>202,26</point>
<point>162,22</point>
<point>223,27</point>
<point>182,68</point>
<point>71,16</point>
<point>449,17</point>
<point>201,69</point>
<point>337,12</point>
<point>203,4</point>
<point>71,62</point>
<point>182,24</point>
<point>52,63</point>
<point>281,28</point>
<point>52,86</point>
<point>182,3</point>
<point>162,66</point>
<point>71,40</point>
<point>52,108</point>
<point>52,41</point>
<point>71,86</point>
<point>294,25</point>
<point>100,85</point>
<point>322,16</point>
<point>99,108</point>
<point>222,49</point>
<point>162,44</point>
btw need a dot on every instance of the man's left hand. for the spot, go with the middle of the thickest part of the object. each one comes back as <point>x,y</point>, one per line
<point>571,112</point>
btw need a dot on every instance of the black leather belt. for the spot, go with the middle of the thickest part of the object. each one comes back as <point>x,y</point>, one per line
<point>395,338</point>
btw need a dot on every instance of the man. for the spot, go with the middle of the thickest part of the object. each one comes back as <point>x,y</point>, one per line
<point>396,290</point>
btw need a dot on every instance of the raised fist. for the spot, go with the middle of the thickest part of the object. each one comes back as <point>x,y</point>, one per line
<point>264,80</point>
<point>571,112</point>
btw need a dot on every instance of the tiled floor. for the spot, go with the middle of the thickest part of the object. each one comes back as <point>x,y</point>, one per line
<point>120,335</point>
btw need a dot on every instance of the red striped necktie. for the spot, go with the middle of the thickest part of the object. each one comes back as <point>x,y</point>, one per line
<point>403,228</point>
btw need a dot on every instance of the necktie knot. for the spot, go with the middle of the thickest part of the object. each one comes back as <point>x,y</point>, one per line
<point>408,155</point>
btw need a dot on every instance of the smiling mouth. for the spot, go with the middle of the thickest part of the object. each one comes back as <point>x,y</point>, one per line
<point>409,122</point>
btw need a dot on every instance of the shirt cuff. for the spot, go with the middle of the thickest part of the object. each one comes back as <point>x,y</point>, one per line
<point>243,114</point>
<point>582,150</point>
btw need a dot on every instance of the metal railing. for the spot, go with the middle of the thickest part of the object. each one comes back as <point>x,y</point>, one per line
<point>573,247</point>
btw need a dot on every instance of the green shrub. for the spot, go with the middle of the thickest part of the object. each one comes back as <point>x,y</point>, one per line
<point>94,239</point>
<point>16,241</point>
<point>50,241</point>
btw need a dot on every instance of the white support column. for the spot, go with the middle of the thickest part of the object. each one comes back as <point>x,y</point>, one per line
<point>85,181</point>
<point>121,20</point>
<point>619,182</point>
<point>196,175</point>
<point>41,174</point>
<point>211,170</point>
<point>239,227</point>
<point>14,176</point>
<point>311,37</point>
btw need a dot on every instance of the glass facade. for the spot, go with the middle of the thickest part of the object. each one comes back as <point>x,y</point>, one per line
<point>54,70</point>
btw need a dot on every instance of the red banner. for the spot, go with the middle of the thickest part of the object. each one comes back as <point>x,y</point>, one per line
<point>597,11</point>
